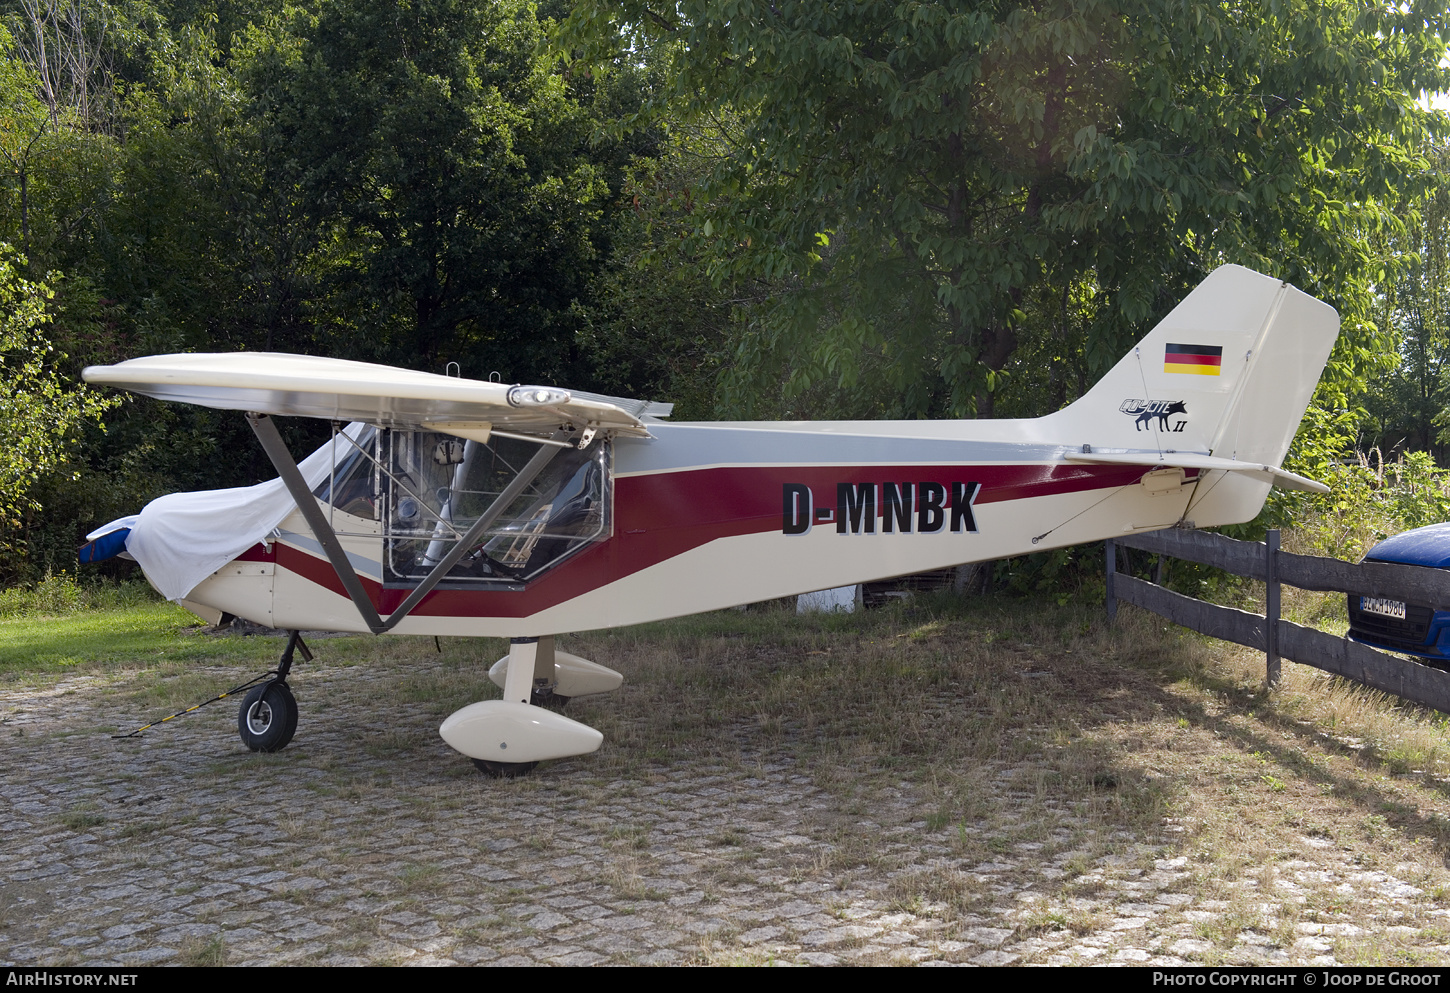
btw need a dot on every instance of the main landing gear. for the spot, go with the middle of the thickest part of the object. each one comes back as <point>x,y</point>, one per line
<point>504,770</point>
<point>267,719</point>
<point>508,737</point>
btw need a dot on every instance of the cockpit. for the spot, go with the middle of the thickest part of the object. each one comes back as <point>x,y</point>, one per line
<point>427,491</point>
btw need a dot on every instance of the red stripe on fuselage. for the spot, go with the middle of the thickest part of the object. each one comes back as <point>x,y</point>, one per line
<point>258,553</point>
<point>659,516</point>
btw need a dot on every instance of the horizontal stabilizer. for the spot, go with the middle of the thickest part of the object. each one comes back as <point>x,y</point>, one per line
<point>1281,478</point>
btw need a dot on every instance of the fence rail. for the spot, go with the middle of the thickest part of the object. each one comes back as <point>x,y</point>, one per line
<point>1410,583</point>
<point>1271,634</point>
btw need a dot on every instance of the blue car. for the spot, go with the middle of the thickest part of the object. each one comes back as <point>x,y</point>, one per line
<point>1406,628</point>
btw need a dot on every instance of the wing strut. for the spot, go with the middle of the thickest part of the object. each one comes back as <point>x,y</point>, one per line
<point>276,450</point>
<point>281,458</point>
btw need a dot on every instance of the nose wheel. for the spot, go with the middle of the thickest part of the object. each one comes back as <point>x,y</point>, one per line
<point>267,719</point>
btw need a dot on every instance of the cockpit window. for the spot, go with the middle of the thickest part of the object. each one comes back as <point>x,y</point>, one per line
<point>353,478</point>
<point>435,487</point>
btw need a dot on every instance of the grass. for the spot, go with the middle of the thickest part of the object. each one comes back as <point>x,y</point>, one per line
<point>1005,735</point>
<point>418,878</point>
<point>204,951</point>
<point>1404,737</point>
<point>102,640</point>
<point>82,819</point>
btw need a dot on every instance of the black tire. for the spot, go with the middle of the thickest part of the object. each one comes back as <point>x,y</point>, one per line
<point>504,770</point>
<point>547,698</point>
<point>267,719</point>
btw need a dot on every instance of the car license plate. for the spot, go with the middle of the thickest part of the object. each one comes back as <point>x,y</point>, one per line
<point>1385,608</point>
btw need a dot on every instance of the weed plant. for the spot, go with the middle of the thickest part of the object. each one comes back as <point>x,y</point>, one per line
<point>59,594</point>
<point>1371,499</point>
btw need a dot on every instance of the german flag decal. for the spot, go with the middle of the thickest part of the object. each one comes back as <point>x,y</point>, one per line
<point>1195,360</point>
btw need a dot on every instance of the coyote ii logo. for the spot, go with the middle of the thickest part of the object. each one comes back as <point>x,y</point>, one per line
<point>1145,410</point>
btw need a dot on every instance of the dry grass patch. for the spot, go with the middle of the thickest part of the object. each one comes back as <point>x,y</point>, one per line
<point>925,892</point>
<point>938,758</point>
<point>712,954</point>
<point>627,882</point>
<point>204,952</point>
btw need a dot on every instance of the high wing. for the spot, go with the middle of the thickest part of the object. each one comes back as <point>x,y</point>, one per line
<point>338,389</point>
<point>1273,475</point>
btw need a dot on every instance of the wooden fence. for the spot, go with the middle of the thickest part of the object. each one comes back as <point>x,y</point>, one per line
<point>1274,636</point>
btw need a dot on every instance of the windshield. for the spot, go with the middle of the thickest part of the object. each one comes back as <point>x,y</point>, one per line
<point>434,487</point>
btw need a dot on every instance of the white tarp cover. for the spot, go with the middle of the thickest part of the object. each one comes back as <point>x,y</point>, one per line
<point>182,538</point>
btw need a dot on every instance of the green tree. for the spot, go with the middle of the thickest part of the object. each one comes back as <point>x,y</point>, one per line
<point>55,153</point>
<point>935,189</point>
<point>452,165</point>
<point>660,325</point>
<point>24,121</point>
<point>1405,404</point>
<point>40,413</point>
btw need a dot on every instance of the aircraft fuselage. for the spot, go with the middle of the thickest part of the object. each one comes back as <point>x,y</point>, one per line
<point>713,515</point>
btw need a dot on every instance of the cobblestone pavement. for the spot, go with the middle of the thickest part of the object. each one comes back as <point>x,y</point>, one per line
<point>359,845</point>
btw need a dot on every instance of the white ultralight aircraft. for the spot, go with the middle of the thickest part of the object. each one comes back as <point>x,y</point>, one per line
<point>455,507</point>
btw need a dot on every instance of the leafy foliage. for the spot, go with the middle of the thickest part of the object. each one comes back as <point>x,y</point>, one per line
<point>928,186</point>
<point>452,169</point>
<point>39,413</point>
<point>1371,499</point>
<point>1406,404</point>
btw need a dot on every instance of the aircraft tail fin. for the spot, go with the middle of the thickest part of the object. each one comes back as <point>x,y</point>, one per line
<point>1228,374</point>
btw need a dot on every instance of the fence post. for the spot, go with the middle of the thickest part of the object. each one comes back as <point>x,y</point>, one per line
<point>1271,606</point>
<point>1112,601</point>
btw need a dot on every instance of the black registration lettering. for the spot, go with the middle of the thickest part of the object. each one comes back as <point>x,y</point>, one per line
<point>896,507</point>
<point>963,495</point>
<point>796,508</point>
<point>856,508</point>
<point>931,504</point>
